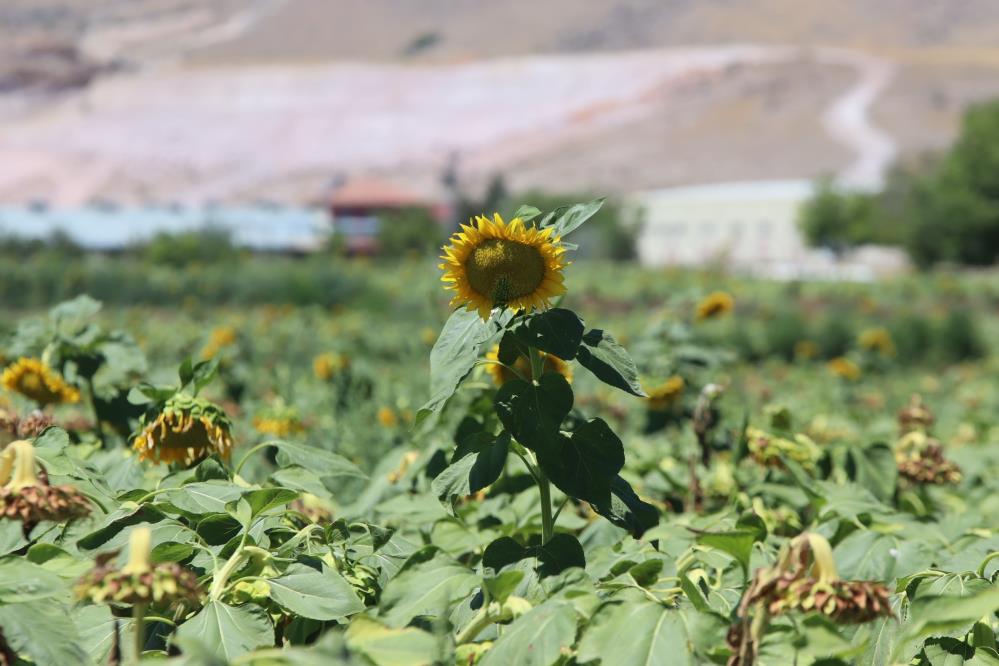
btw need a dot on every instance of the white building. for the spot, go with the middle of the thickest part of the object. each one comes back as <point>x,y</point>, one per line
<point>739,225</point>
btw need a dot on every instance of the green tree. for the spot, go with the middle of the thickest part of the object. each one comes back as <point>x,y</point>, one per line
<point>838,219</point>
<point>408,231</point>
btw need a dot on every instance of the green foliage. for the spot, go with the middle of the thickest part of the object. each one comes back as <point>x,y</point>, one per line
<point>178,250</point>
<point>408,231</point>
<point>838,219</point>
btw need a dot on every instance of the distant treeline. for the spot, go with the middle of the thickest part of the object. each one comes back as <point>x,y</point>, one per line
<point>941,208</point>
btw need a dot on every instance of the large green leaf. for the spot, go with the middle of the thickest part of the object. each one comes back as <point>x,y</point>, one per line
<point>228,631</point>
<point>609,362</point>
<point>313,594</point>
<point>428,584</point>
<point>938,614</point>
<point>656,636</point>
<point>323,463</point>
<point>557,331</point>
<point>737,543</point>
<point>22,581</point>
<point>204,497</point>
<point>588,460</point>
<point>533,413</point>
<point>385,646</point>
<point>626,509</point>
<point>96,626</point>
<point>566,219</point>
<point>474,471</point>
<point>43,630</point>
<point>454,354</point>
<point>561,552</point>
<point>536,638</point>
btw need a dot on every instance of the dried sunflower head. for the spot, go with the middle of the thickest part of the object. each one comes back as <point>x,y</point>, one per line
<point>915,416</point>
<point>139,581</point>
<point>28,499</point>
<point>185,429</point>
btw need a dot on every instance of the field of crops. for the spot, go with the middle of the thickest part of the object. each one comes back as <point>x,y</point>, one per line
<point>652,468</point>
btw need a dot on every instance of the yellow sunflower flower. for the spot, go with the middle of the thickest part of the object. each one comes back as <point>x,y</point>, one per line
<point>806,349</point>
<point>664,395</point>
<point>715,304</point>
<point>502,374</point>
<point>185,430</point>
<point>387,417</point>
<point>845,368</point>
<point>877,340</point>
<point>492,263</point>
<point>221,337</point>
<point>279,421</point>
<point>34,379</point>
<point>326,366</point>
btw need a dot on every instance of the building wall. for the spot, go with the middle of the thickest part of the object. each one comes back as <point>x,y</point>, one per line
<point>739,224</point>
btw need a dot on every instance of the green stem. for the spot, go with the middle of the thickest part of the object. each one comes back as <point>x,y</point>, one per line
<point>93,407</point>
<point>544,487</point>
<point>222,577</point>
<point>475,626</point>
<point>139,627</point>
<point>242,461</point>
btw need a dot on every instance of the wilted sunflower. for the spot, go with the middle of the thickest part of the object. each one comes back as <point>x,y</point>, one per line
<point>33,378</point>
<point>492,263</point>
<point>139,581</point>
<point>667,393</point>
<point>844,368</point>
<point>186,429</point>
<point>501,374</point>
<point>877,340</point>
<point>715,304</point>
<point>28,499</point>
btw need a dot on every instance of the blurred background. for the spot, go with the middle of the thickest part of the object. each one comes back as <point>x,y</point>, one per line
<point>802,201</point>
<point>782,139</point>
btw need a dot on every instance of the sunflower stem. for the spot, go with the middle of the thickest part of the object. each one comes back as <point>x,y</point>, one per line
<point>139,626</point>
<point>544,487</point>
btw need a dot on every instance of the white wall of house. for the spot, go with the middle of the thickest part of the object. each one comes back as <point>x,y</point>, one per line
<point>735,224</point>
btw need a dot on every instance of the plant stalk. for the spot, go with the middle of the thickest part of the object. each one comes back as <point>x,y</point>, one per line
<point>139,627</point>
<point>544,486</point>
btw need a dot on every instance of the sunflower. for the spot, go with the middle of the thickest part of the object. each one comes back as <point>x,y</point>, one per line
<point>221,337</point>
<point>806,349</point>
<point>387,417</point>
<point>140,581</point>
<point>501,374</point>
<point>34,379</point>
<point>715,304</point>
<point>664,395</point>
<point>326,365</point>
<point>186,429</point>
<point>845,368</point>
<point>279,421</point>
<point>491,263</point>
<point>877,340</point>
<point>27,498</point>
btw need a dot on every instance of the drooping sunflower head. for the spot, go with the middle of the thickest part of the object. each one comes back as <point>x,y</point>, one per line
<point>492,263</point>
<point>667,393</point>
<point>30,500</point>
<point>501,374</point>
<point>715,304</point>
<point>186,429</point>
<point>34,379</point>
<point>140,581</point>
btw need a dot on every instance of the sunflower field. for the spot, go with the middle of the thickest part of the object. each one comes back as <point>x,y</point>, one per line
<point>511,458</point>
